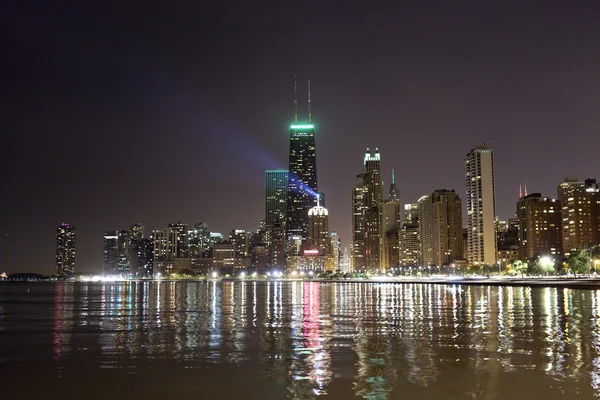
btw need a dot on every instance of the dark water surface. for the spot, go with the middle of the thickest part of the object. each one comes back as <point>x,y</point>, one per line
<point>260,340</point>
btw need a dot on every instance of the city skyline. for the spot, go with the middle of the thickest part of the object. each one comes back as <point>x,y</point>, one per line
<point>104,136</point>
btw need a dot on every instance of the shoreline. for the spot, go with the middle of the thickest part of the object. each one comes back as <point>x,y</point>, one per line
<point>586,283</point>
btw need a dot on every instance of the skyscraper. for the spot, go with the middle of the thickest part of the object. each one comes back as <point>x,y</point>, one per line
<point>440,227</point>
<point>389,225</point>
<point>335,250</point>
<point>276,196</point>
<point>394,193</point>
<point>302,179</point>
<point>111,252</point>
<point>277,245</point>
<point>65,250</point>
<point>481,205</point>
<point>539,226</point>
<point>124,252</point>
<point>318,231</point>
<point>580,211</point>
<point>366,199</point>
<point>182,239</point>
<point>409,236</point>
<point>359,202</point>
<point>374,198</point>
<point>165,250</point>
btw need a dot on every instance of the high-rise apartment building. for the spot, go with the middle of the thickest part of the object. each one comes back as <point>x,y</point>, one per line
<point>276,184</point>
<point>165,250</point>
<point>65,250</point>
<point>481,206</point>
<point>440,227</point>
<point>539,227</point>
<point>580,213</point>
<point>335,250</point>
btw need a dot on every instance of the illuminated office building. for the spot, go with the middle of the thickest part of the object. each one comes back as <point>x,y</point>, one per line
<point>276,196</point>
<point>111,252</point>
<point>65,250</point>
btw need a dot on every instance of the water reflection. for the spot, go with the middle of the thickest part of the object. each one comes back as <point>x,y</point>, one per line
<point>307,339</point>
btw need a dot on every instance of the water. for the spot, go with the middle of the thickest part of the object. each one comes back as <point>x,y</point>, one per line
<point>259,340</point>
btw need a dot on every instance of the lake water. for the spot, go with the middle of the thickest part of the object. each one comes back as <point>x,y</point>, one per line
<point>277,340</point>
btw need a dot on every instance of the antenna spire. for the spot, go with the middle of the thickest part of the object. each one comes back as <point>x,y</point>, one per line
<point>520,192</point>
<point>295,100</point>
<point>318,200</point>
<point>309,116</point>
<point>525,188</point>
<point>393,180</point>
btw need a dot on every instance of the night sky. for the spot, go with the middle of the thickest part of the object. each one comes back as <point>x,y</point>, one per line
<point>117,112</point>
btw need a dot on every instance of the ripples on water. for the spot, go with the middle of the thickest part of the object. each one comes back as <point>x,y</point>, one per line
<point>297,340</point>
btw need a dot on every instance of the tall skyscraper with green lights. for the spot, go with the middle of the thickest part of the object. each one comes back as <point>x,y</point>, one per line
<point>302,178</point>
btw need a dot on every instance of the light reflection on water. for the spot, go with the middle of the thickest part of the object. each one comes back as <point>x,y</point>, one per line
<point>300,340</point>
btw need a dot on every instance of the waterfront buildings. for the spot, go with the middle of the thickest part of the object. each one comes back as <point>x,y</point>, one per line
<point>65,250</point>
<point>440,228</point>
<point>389,226</point>
<point>580,213</point>
<point>302,179</point>
<point>359,206</point>
<point>111,246</point>
<point>165,250</point>
<point>539,227</point>
<point>335,250</point>
<point>276,196</point>
<point>366,220</point>
<point>481,206</point>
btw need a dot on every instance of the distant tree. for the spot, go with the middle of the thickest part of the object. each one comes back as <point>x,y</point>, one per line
<point>579,261</point>
<point>520,267</point>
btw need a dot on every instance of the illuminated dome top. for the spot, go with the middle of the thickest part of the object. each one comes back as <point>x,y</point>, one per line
<point>318,210</point>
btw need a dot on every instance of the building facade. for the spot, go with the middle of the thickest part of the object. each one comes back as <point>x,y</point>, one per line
<point>165,251</point>
<point>276,196</point>
<point>389,227</point>
<point>65,250</point>
<point>318,231</point>
<point>302,180</point>
<point>580,213</point>
<point>540,232</point>
<point>481,206</point>
<point>440,228</point>
<point>111,248</point>
<point>366,199</point>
